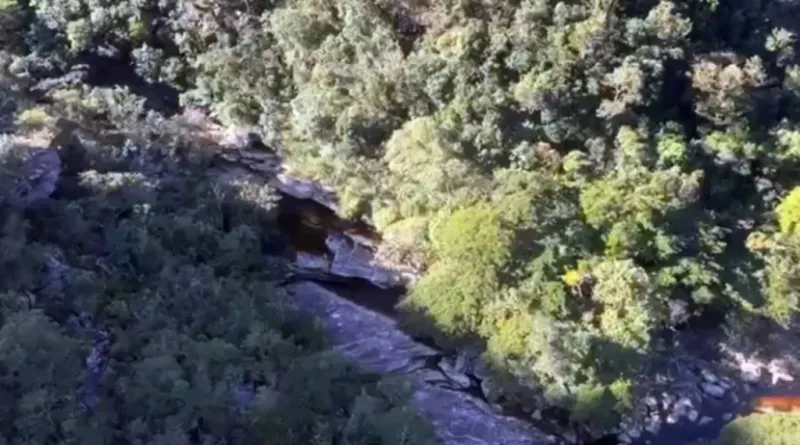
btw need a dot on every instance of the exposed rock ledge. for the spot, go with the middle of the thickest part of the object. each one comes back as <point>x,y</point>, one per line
<point>237,143</point>
<point>375,342</point>
<point>352,260</point>
<point>353,256</point>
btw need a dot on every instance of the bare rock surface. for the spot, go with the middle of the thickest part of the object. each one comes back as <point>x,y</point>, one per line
<point>701,384</point>
<point>351,259</point>
<point>352,255</point>
<point>375,342</point>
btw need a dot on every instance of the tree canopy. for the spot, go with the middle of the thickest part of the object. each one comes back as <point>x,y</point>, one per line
<point>138,308</point>
<point>560,171</point>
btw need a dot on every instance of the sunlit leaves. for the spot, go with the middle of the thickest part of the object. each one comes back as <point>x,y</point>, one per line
<point>760,429</point>
<point>788,212</point>
<point>425,166</point>
<point>629,305</point>
<point>453,295</point>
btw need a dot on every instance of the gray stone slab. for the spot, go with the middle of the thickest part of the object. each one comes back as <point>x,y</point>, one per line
<point>375,342</point>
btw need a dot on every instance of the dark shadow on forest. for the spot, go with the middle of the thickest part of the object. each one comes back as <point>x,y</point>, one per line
<point>284,242</point>
<point>42,217</point>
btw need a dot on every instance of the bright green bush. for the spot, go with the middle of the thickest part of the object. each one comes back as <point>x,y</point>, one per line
<point>760,429</point>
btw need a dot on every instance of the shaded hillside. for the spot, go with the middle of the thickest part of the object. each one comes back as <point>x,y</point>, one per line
<point>129,313</point>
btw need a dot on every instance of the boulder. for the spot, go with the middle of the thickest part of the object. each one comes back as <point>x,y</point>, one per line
<point>712,389</point>
<point>466,361</point>
<point>709,376</point>
<point>678,312</point>
<point>356,261</point>
<point>635,432</point>
<point>779,370</point>
<point>456,377</point>
<point>305,189</point>
<point>653,424</point>
<point>491,390</point>
<point>309,261</point>
<point>681,408</point>
<point>433,377</point>
<point>750,368</point>
<point>705,420</point>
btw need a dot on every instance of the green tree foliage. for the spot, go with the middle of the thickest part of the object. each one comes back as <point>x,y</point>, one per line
<point>789,213</point>
<point>762,429</point>
<point>628,307</point>
<point>464,275</point>
<point>780,252</point>
<point>138,308</point>
<point>557,169</point>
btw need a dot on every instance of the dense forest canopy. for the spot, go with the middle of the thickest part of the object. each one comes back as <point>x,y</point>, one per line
<point>137,308</point>
<point>567,173</point>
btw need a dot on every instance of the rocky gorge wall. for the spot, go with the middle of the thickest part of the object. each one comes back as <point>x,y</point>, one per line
<point>449,390</point>
<point>696,382</point>
<point>375,341</point>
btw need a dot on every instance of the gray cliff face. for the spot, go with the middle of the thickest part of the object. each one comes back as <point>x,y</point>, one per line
<point>375,342</point>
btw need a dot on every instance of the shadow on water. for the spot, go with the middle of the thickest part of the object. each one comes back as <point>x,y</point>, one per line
<point>308,223</point>
<point>366,294</point>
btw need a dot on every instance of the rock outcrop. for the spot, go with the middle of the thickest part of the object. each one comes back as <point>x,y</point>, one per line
<point>701,385</point>
<point>352,259</point>
<point>351,255</point>
<point>375,342</point>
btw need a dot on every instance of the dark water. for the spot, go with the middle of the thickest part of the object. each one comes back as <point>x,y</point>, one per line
<point>306,224</point>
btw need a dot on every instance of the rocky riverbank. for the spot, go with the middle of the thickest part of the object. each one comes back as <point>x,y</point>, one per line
<point>353,253</point>
<point>377,343</point>
<point>695,385</point>
<point>701,385</point>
